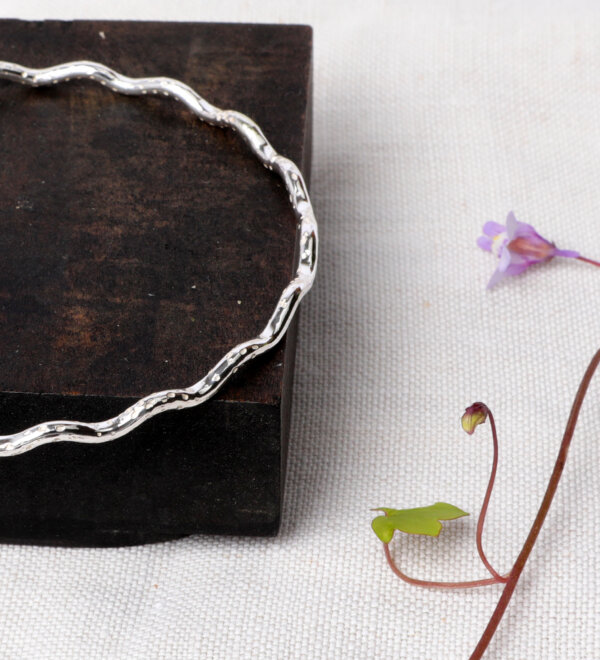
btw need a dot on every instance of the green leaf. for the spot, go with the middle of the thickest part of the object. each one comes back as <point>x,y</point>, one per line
<point>424,520</point>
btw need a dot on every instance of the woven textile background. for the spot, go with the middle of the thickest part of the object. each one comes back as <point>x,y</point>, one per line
<point>430,118</point>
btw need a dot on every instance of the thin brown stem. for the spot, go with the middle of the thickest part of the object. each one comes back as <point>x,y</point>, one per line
<point>429,583</point>
<point>541,515</point>
<point>486,501</point>
<point>589,261</point>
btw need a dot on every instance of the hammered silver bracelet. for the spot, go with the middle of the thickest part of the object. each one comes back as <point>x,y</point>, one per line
<point>305,266</point>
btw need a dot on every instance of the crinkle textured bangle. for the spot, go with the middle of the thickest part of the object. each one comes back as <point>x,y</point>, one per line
<point>159,402</point>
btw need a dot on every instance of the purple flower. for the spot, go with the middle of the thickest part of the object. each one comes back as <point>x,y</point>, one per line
<point>517,246</point>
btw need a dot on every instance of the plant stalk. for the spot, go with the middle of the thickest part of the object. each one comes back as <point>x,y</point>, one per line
<point>431,583</point>
<point>486,501</point>
<point>519,564</point>
<point>589,261</point>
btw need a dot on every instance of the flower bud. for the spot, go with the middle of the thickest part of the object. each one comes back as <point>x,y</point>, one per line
<point>473,416</point>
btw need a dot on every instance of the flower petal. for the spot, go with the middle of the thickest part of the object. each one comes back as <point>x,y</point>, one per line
<point>496,277</point>
<point>492,228</point>
<point>512,225</point>
<point>516,269</point>
<point>517,229</point>
<point>510,264</point>
<point>516,258</point>
<point>501,271</point>
<point>485,243</point>
<point>505,259</point>
<point>523,229</point>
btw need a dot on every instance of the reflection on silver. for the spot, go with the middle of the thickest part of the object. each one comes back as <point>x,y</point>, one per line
<point>159,402</point>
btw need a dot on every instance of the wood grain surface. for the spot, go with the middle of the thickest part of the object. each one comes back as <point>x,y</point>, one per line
<point>138,245</point>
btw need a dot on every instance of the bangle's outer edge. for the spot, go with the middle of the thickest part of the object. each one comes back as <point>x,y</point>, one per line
<point>305,266</point>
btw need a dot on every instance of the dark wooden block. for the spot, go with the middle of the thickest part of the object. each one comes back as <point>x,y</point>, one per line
<point>138,245</point>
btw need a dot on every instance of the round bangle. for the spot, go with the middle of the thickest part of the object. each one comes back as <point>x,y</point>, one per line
<point>305,266</point>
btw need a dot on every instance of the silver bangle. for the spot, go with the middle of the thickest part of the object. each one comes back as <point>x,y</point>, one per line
<point>158,402</point>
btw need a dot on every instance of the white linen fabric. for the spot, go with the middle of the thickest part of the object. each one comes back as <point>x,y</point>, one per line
<point>430,118</point>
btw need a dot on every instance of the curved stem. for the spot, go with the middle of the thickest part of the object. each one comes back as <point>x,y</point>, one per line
<point>486,501</point>
<point>541,515</point>
<point>429,583</point>
<point>589,261</point>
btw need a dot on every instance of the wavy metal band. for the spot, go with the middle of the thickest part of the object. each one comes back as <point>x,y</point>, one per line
<point>158,402</point>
